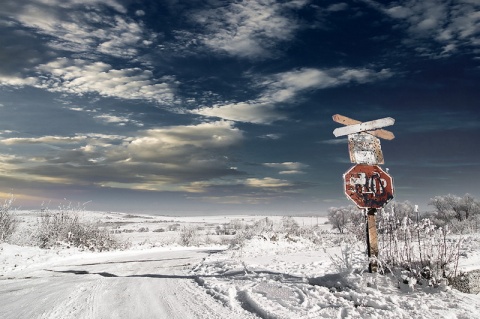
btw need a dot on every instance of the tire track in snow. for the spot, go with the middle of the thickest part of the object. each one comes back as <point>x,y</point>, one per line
<point>132,284</point>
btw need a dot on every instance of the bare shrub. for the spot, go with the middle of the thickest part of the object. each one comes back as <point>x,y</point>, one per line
<point>189,236</point>
<point>290,226</point>
<point>420,247</point>
<point>287,228</point>
<point>64,229</point>
<point>263,227</point>
<point>8,222</point>
<point>339,217</point>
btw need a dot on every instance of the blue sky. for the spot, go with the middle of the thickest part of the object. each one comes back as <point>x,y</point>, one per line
<point>180,107</point>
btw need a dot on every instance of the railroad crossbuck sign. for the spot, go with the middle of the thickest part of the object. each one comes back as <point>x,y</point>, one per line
<point>363,144</point>
<point>372,127</point>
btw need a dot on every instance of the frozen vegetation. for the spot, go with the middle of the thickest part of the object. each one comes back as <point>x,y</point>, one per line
<point>73,263</point>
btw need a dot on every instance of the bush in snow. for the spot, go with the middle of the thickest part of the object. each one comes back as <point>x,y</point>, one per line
<point>287,229</point>
<point>262,227</point>
<point>418,246</point>
<point>189,236</point>
<point>357,224</point>
<point>63,228</point>
<point>339,217</point>
<point>290,226</point>
<point>8,221</point>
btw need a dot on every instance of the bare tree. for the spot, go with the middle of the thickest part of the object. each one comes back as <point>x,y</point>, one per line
<point>446,207</point>
<point>469,206</point>
<point>339,217</point>
<point>449,207</point>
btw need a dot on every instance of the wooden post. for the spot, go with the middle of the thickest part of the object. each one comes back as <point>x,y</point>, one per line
<point>372,240</point>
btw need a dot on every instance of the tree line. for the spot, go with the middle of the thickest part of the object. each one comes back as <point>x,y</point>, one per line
<point>460,213</point>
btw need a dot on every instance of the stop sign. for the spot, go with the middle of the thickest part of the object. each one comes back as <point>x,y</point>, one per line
<point>368,186</point>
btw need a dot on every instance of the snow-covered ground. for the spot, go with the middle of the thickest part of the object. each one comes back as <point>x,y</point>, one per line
<point>289,277</point>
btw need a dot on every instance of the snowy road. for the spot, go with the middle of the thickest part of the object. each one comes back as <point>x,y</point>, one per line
<point>132,284</point>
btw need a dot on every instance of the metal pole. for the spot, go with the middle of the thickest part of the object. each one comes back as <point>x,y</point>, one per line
<point>372,240</point>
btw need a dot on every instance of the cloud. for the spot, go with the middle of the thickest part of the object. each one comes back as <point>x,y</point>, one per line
<point>77,76</point>
<point>337,7</point>
<point>251,112</point>
<point>288,168</point>
<point>43,140</point>
<point>292,172</point>
<point>271,136</point>
<point>116,119</point>
<point>449,24</point>
<point>267,182</point>
<point>285,86</point>
<point>156,159</point>
<point>248,29</point>
<point>282,88</point>
<point>335,141</point>
<point>42,34</point>
<point>159,144</point>
<point>82,26</point>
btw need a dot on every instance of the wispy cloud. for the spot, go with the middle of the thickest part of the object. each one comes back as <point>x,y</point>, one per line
<point>337,7</point>
<point>116,119</point>
<point>267,182</point>
<point>271,136</point>
<point>450,24</point>
<point>82,26</point>
<point>288,168</point>
<point>335,141</point>
<point>251,112</point>
<point>72,39</point>
<point>43,139</point>
<point>77,76</point>
<point>248,29</point>
<point>282,88</point>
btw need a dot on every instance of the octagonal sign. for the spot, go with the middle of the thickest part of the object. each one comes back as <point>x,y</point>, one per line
<point>368,186</point>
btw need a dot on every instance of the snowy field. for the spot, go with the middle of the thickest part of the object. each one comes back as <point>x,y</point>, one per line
<point>270,276</point>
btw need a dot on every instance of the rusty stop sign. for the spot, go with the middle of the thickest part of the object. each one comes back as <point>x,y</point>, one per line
<point>368,186</point>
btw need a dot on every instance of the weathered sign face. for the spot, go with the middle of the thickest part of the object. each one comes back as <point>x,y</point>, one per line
<point>364,149</point>
<point>368,186</point>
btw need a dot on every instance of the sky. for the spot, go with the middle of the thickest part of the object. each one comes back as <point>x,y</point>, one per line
<point>209,106</point>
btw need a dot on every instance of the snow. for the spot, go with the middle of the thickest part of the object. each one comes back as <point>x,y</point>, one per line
<point>285,277</point>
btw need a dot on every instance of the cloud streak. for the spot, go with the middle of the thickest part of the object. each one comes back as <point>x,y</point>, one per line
<point>288,168</point>
<point>283,88</point>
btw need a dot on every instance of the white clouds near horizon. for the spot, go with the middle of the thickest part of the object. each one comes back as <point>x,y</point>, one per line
<point>163,158</point>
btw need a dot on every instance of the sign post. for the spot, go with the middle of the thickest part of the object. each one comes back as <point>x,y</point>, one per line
<point>366,184</point>
<point>372,240</point>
